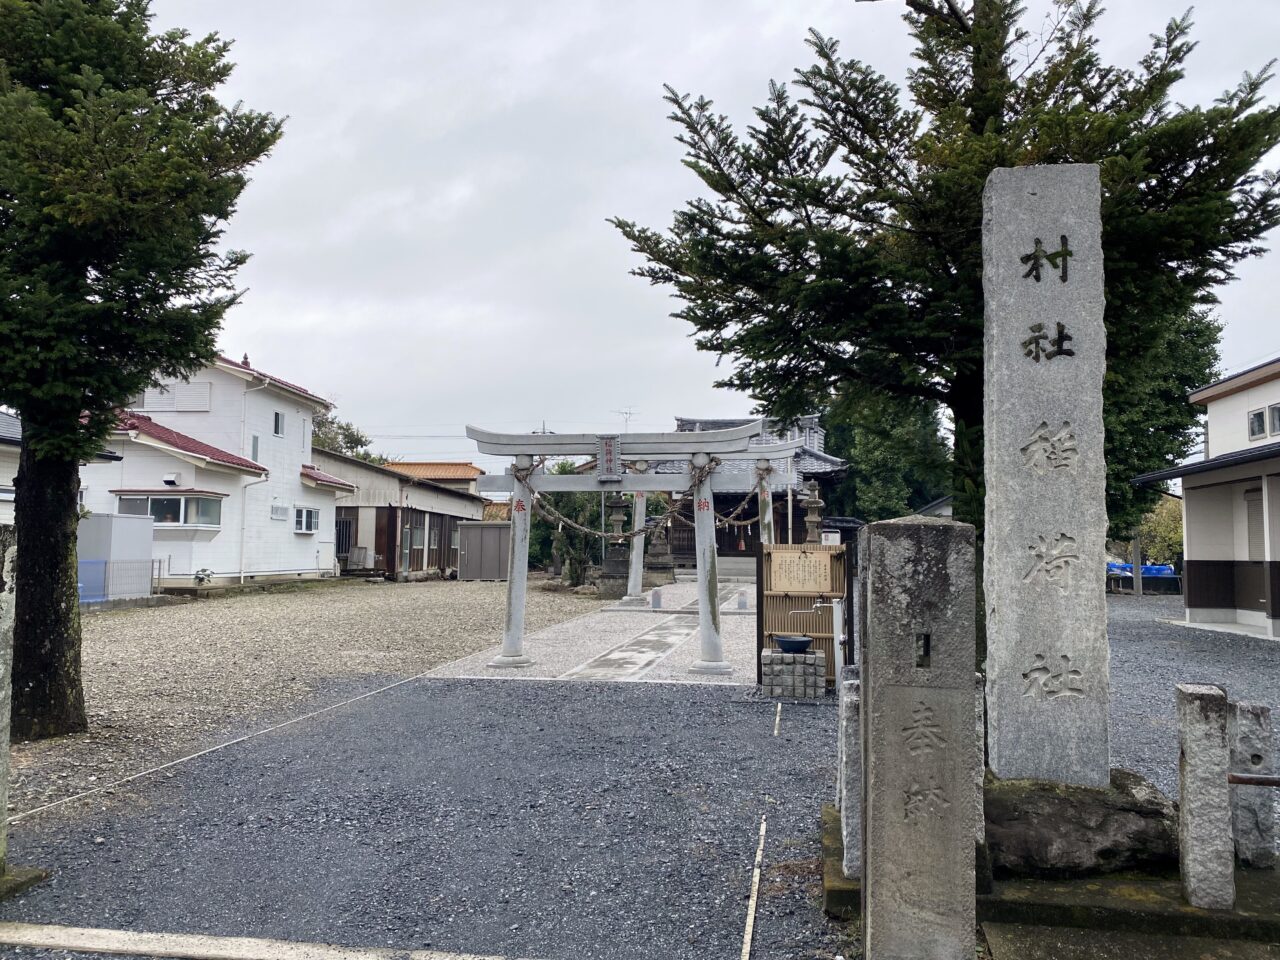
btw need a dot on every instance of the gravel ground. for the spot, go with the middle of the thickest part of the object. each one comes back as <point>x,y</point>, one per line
<point>1148,658</point>
<point>162,681</point>
<point>603,820</point>
<point>528,818</point>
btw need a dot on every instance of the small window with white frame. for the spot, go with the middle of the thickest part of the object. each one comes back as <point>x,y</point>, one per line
<point>306,519</point>
<point>1257,424</point>
<point>277,426</point>
<point>1273,418</point>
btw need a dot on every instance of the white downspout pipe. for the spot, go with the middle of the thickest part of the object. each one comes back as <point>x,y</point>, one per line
<point>244,497</point>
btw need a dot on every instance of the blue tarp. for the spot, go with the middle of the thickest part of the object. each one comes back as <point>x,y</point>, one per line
<point>1148,570</point>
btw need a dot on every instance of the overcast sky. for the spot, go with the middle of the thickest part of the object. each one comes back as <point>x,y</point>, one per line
<point>429,238</point>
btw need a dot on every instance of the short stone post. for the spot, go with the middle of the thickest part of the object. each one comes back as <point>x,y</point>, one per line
<point>764,501</point>
<point>1048,661</point>
<point>918,744</point>
<point>849,778</point>
<point>8,561</point>
<point>512,654</point>
<point>704,530</point>
<point>635,573</point>
<point>1253,812</point>
<point>1206,851</point>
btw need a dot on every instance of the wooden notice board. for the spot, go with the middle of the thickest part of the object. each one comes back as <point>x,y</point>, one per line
<point>792,577</point>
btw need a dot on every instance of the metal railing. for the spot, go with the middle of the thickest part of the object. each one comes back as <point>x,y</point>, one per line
<point>103,580</point>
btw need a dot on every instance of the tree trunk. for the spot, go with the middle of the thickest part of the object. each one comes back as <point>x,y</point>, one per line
<point>48,697</point>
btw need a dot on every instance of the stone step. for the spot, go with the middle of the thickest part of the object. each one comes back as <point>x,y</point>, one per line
<point>1016,942</point>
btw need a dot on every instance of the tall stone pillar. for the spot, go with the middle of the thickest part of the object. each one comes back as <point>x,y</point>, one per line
<point>764,501</point>
<point>8,560</point>
<point>517,570</point>
<point>704,531</point>
<point>1048,666</point>
<point>918,739</point>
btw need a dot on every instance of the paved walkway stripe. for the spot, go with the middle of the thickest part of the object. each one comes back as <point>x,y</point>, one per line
<point>185,946</point>
<point>755,894</point>
<point>633,657</point>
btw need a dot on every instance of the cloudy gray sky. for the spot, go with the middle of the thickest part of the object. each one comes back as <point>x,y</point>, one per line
<point>429,239</point>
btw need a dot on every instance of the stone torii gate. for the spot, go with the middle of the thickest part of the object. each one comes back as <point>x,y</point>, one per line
<point>702,449</point>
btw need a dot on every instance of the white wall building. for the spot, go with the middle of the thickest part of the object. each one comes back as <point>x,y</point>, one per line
<point>10,445</point>
<point>1231,504</point>
<point>222,464</point>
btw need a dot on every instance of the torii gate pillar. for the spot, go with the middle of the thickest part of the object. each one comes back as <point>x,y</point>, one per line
<point>704,529</point>
<point>764,501</point>
<point>517,569</point>
<point>635,572</point>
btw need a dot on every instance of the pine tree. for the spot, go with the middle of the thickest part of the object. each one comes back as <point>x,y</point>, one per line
<point>837,242</point>
<point>118,169</point>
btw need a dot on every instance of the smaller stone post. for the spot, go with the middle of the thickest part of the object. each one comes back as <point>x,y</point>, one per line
<point>813,514</point>
<point>1253,813</point>
<point>1136,558</point>
<point>848,779</point>
<point>517,569</point>
<point>1206,850</point>
<point>8,560</point>
<point>764,501</point>
<point>704,529</point>
<point>917,739</point>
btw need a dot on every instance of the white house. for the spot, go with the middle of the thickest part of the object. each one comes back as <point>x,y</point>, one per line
<point>1231,504</point>
<point>400,526</point>
<point>222,464</point>
<point>10,445</point>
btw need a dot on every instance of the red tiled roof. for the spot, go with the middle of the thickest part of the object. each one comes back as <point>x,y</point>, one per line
<point>315,474</point>
<point>266,376</point>
<point>180,441</point>
<point>437,469</point>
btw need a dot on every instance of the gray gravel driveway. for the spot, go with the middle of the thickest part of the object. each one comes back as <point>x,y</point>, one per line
<point>164,681</point>
<point>540,818</point>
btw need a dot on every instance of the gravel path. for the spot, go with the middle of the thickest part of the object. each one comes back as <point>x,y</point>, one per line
<point>162,681</point>
<point>540,819</point>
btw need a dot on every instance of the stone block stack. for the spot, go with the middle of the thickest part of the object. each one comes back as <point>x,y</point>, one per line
<point>794,676</point>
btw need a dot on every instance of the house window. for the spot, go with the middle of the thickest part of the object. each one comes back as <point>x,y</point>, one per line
<point>206,511</point>
<point>7,493</point>
<point>253,447</point>
<point>1257,424</point>
<point>306,519</point>
<point>1273,413</point>
<point>435,537</point>
<point>278,425</point>
<point>170,511</point>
